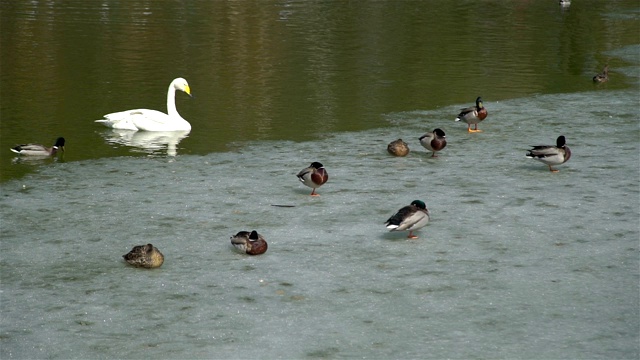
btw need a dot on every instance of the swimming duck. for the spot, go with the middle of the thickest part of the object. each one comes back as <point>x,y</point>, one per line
<point>398,148</point>
<point>473,115</point>
<point>313,176</point>
<point>411,217</point>
<point>250,243</point>
<point>146,256</point>
<point>39,150</point>
<point>551,155</point>
<point>152,120</point>
<point>434,141</point>
<point>603,76</point>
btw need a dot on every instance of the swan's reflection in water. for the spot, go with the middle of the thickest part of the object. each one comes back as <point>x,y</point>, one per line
<point>152,142</point>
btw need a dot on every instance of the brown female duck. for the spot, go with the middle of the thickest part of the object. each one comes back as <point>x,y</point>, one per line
<point>603,76</point>
<point>398,148</point>
<point>146,256</point>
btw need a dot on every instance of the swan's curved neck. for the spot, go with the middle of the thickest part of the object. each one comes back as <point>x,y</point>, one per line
<point>171,102</point>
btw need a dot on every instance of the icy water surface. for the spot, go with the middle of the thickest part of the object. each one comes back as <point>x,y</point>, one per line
<point>518,262</point>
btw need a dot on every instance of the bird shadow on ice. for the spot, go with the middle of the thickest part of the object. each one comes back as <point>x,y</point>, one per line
<point>396,236</point>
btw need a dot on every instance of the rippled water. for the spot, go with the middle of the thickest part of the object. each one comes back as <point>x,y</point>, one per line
<point>518,262</point>
<point>274,70</point>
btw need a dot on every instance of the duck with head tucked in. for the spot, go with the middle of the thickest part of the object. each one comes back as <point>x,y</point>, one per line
<point>250,243</point>
<point>411,217</point>
<point>434,141</point>
<point>398,148</point>
<point>313,176</point>
<point>473,115</point>
<point>39,150</point>
<point>603,76</point>
<point>551,155</point>
<point>146,256</point>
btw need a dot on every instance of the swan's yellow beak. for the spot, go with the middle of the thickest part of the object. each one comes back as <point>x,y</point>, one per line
<point>187,89</point>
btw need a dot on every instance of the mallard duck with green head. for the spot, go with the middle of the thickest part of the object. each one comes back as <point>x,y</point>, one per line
<point>473,115</point>
<point>434,141</point>
<point>39,150</point>
<point>551,155</point>
<point>313,176</point>
<point>411,217</point>
<point>250,243</point>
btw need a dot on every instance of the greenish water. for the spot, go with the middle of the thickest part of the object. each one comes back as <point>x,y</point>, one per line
<point>285,69</point>
<point>516,263</point>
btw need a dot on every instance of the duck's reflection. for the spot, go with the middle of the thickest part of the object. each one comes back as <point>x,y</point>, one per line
<point>153,142</point>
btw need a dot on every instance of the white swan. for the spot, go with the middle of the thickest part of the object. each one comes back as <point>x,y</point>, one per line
<point>152,120</point>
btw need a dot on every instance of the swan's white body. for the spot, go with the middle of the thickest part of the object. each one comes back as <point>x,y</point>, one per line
<point>152,120</point>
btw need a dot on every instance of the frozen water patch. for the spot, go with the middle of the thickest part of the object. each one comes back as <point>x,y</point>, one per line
<point>517,262</point>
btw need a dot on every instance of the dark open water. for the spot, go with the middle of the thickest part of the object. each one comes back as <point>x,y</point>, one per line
<point>516,263</point>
